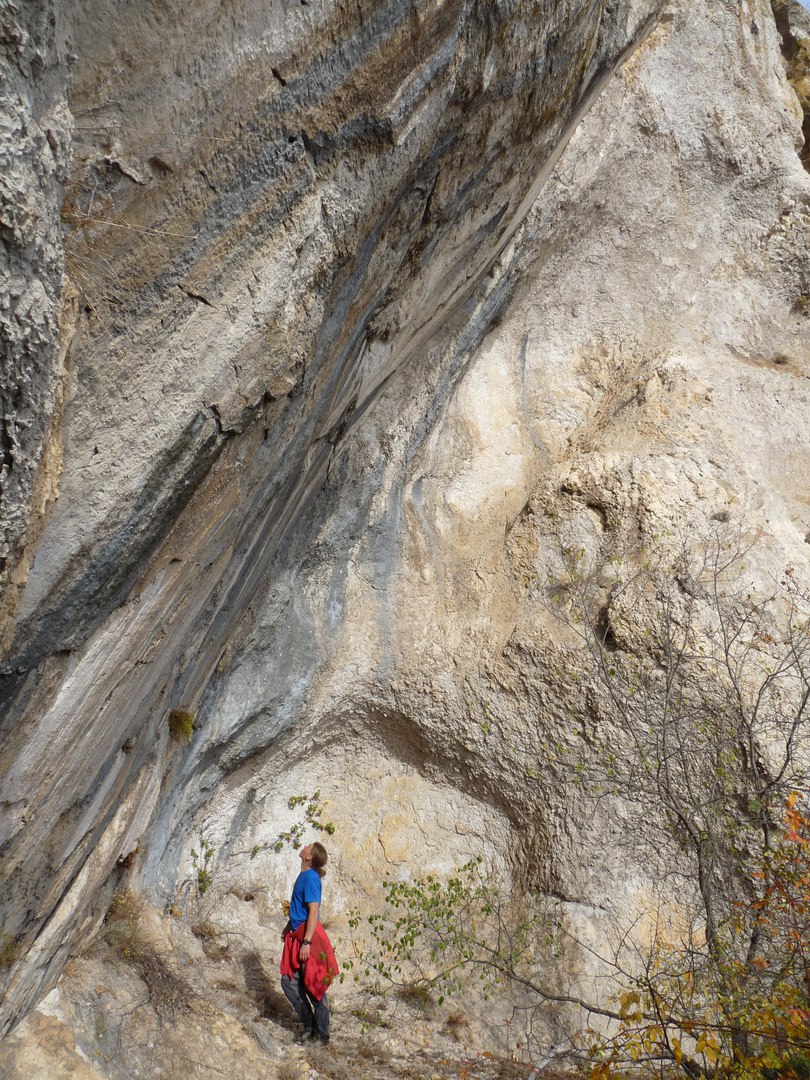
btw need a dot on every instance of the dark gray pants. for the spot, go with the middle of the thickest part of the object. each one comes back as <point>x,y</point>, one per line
<point>313,1014</point>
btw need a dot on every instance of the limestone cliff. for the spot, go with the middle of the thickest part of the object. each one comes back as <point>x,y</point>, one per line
<point>351,295</point>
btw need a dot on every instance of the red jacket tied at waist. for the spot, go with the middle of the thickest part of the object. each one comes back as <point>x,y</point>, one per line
<point>321,968</point>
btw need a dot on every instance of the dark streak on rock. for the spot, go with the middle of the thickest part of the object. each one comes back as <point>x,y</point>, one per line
<point>80,601</point>
<point>195,296</point>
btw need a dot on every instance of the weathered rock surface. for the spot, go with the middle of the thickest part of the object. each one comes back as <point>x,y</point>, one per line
<point>348,325</point>
<point>34,159</point>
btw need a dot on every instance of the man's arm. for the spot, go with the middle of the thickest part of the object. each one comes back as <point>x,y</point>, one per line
<point>309,930</point>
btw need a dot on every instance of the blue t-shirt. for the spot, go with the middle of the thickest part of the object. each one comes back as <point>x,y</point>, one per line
<point>306,890</point>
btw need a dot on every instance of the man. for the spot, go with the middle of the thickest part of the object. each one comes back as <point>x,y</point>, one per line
<point>308,964</point>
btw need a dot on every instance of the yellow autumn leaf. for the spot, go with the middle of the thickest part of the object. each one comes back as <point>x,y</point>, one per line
<point>626,1002</point>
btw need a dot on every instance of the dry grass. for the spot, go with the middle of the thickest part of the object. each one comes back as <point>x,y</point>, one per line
<point>214,942</point>
<point>417,994</point>
<point>274,1006</point>
<point>124,931</point>
<point>289,1070</point>
<point>204,930</point>
<point>329,1063</point>
<point>455,1024</point>
<point>372,1051</point>
<point>216,951</point>
<point>511,1070</point>
<point>122,928</point>
<point>169,994</point>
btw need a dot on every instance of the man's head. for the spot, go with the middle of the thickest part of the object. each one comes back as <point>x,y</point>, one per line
<point>314,855</point>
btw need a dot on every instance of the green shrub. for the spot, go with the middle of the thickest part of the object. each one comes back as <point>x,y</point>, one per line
<point>202,860</point>
<point>181,725</point>
<point>312,817</point>
<point>10,950</point>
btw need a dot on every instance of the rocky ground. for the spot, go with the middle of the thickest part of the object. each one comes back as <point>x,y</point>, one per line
<point>181,996</point>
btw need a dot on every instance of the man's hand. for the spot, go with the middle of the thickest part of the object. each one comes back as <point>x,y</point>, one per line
<point>309,929</point>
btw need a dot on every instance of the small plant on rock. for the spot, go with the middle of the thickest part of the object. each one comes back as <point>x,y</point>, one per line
<point>455,1024</point>
<point>181,725</point>
<point>10,949</point>
<point>312,818</point>
<point>202,862</point>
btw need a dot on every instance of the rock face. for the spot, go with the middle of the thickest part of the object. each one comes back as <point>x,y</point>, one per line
<point>353,296</point>
<point>35,157</point>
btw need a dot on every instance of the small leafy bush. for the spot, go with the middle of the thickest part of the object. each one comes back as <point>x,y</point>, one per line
<point>312,817</point>
<point>202,861</point>
<point>10,949</point>
<point>181,725</point>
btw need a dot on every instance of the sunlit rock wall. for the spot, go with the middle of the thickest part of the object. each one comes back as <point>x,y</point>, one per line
<point>635,366</point>
<point>285,232</point>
